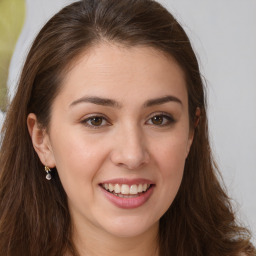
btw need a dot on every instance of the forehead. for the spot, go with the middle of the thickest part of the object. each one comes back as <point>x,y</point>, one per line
<point>111,70</point>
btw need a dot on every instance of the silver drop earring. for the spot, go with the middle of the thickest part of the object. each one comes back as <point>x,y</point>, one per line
<point>48,175</point>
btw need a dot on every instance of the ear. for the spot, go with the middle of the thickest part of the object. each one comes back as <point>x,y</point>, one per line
<point>41,141</point>
<point>197,117</point>
<point>192,129</point>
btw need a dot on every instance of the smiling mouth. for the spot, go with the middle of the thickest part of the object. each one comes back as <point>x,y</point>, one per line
<point>125,190</point>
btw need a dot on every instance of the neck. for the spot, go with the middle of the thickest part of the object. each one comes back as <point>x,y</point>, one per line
<point>99,243</point>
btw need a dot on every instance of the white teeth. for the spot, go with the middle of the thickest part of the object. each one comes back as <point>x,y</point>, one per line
<point>134,189</point>
<point>110,187</point>
<point>117,189</point>
<point>144,187</point>
<point>125,189</point>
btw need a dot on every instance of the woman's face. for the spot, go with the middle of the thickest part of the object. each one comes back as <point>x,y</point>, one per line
<point>119,136</point>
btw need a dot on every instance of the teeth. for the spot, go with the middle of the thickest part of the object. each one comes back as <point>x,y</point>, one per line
<point>134,189</point>
<point>110,187</point>
<point>125,189</point>
<point>117,189</point>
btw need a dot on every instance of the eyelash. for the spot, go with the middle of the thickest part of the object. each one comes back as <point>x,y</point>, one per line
<point>167,118</point>
<point>90,119</point>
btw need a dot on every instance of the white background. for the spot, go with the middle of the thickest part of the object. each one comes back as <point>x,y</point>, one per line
<point>224,37</point>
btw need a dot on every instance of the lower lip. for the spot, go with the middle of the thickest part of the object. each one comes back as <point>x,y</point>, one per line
<point>129,203</point>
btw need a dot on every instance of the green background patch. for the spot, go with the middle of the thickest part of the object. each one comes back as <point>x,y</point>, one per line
<point>12,15</point>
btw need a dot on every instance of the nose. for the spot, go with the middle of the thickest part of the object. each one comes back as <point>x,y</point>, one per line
<point>130,149</point>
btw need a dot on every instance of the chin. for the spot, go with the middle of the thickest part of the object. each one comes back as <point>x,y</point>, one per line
<point>127,227</point>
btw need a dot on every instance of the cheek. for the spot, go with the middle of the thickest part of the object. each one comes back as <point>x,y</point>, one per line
<point>171,150</point>
<point>171,165</point>
<point>75,149</point>
<point>77,160</point>
<point>170,156</point>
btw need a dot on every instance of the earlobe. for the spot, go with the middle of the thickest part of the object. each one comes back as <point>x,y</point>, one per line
<point>40,141</point>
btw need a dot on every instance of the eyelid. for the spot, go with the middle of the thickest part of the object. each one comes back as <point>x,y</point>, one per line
<point>87,118</point>
<point>94,115</point>
<point>160,113</point>
<point>163,114</point>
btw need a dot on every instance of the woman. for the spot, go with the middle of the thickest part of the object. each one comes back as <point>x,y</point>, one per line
<point>111,106</point>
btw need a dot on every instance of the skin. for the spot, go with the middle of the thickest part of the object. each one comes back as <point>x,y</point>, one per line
<point>128,143</point>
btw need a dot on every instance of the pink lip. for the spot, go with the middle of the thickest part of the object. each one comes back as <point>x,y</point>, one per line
<point>128,203</point>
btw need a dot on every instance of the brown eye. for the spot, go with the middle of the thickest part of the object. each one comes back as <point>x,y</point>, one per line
<point>96,121</point>
<point>157,120</point>
<point>161,120</point>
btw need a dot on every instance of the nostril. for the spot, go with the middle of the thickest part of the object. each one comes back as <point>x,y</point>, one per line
<point>132,162</point>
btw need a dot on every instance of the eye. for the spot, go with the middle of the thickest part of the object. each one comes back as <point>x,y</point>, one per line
<point>95,122</point>
<point>161,120</point>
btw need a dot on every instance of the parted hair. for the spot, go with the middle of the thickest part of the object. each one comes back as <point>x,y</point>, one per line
<point>34,215</point>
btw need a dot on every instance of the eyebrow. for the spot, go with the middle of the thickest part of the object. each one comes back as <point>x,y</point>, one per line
<point>162,100</point>
<point>112,103</point>
<point>97,101</point>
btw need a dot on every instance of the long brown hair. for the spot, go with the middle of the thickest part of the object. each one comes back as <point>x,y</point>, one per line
<point>34,216</point>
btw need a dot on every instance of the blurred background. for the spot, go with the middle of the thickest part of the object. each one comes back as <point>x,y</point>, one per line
<point>223,36</point>
<point>12,15</point>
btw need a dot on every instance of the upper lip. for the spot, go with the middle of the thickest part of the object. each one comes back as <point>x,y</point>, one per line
<point>128,181</point>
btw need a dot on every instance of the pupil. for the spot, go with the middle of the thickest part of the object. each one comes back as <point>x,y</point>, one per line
<point>96,121</point>
<point>157,119</point>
